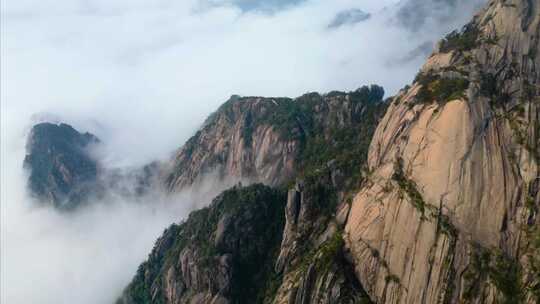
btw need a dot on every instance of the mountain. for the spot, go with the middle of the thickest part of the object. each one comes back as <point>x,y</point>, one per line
<point>442,208</point>
<point>64,173</point>
<point>431,196</point>
<point>450,210</point>
<point>269,140</point>
<point>323,139</point>
<point>220,253</point>
<point>61,170</point>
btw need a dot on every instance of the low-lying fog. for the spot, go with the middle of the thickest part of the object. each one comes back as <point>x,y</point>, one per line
<point>142,76</point>
<point>86,256</point>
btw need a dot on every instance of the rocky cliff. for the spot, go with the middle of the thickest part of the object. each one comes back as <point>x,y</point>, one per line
<point>449,213</point>
<point>61,169</point>
<point>442,207</point>
<point>258,139</point>
<point>329,137</point>
<point>220,254</point>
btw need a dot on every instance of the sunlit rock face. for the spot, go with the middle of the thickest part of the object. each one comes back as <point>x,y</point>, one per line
<point>436,202</point>
<point>62,172</point>
<point>450,210</point>
<point>260,139</point>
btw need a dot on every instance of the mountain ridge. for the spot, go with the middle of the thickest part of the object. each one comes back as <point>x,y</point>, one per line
<point>430,197</point>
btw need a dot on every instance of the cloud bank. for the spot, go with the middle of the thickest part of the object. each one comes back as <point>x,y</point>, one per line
<point>142,76</point>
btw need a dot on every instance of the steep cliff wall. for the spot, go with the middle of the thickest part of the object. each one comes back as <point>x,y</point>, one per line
<point>262,139</point>
<point>446,210</point>
<point>450,210</point>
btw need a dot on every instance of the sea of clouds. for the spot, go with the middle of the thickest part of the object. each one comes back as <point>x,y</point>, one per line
<point>142,76</point>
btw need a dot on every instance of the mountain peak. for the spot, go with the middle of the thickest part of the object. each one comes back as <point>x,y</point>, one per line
<point>455,163</point>
<point>61,170</point>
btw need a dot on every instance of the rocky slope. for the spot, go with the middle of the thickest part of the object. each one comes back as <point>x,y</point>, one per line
<point>61,170</point>
<point>220,254</point>
<point>449,213</point>
<point>258,139</point>
<point>330,135</point>
<point>251,245</point>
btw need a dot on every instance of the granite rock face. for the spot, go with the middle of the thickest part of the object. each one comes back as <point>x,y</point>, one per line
<point>437,202</point>
<point>61,170</point>
<point>449,213</point>
<point>257,139</point>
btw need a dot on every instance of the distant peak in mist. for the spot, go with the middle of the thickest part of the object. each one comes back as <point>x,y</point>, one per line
<point>349,17</point>
<point>62,172</point>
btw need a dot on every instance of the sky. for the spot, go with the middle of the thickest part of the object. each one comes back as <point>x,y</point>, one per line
<point>142,76</point>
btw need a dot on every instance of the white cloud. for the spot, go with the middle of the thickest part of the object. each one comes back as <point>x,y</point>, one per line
<point>142,76</point>
<point>150,72</point>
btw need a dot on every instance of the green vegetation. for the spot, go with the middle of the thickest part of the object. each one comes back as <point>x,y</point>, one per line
<point>408,187</point>
<point>320,193</point>
<point>533,259</point>
<point>505,273</point>
<point>346,145</point>
<point>391,278</point>
<point>461,41</point>
<point>489,88</point>
<point>476,272</point>
<point>445,226</point>
<point>532,248</point>
<point>502,271</point>
<point>327,258</point>
<point>288,117</point>
<point>329,252</point>
<point>437,88</point>
<point>253,239</point>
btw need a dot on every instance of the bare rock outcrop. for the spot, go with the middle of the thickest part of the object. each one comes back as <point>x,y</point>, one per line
<point>449,213</point>
<point>312,260</point>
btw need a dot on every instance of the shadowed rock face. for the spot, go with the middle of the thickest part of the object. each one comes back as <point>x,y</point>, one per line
<point>61,171</point>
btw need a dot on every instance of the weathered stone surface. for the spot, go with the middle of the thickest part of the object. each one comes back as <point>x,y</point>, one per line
<point>256,139</point>
<point>312,257</point>
<point>446,211</point>
<point>449,172</point>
